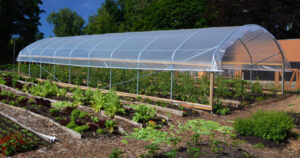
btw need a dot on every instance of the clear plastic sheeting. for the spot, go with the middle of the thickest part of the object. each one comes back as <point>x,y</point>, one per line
<point>206,49</point>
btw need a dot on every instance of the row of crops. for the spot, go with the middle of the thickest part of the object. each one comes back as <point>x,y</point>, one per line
<point>202,137</point>
<point>14,139</point>
<point>152,83</point>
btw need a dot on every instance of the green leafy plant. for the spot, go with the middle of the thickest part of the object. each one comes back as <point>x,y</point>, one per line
<point>144,113</point>
<point>259,146</point>
<point>150,134</point>
<point>269,125</point>
<point>2,81</point>
<point>171,154</point>
<point>100,131</point>
<point>94,119</point>
<point>98,101</point>
<point>152,148</point>
<point>110,103</point>
<point>76,113</point>
<point>21,98</point>
<point>260,98</point>
<point>110,125</point>
<point>196,151</point>
<point>83,115</point>
<point>116,153</point>
<point>81,129</point>
<point>257,89</point>
<point>113,105</point>
<point>239,90</point>
<point>78,96</point>
<point>52,111</point>
<point>58,118</point>
<point>219,109</point>
<point>63,104</point>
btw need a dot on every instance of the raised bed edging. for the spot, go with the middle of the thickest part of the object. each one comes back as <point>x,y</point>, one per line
<point>47,138</point>
<point>173,111</point>
<point>175,102</point>
<point>74,134</point>
<point>168,110</point>
<point>87,109</point>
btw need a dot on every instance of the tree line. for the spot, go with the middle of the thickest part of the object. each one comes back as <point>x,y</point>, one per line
<point>280,17</point>
<point>19,19</point>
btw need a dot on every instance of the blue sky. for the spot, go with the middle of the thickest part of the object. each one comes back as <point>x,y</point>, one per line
<point>84,8</point>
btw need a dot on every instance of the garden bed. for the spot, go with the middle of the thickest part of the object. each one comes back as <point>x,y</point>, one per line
<point>24,140</point>
<point>61,116</point>
<point>162,105</point>
<point>204,150</point>
<point>159,105</point>
<point>296,117</point>
<point>80,95</point>
<point>160,119</point>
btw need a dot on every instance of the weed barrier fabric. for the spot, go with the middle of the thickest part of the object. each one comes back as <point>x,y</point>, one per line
<point>248,47</point>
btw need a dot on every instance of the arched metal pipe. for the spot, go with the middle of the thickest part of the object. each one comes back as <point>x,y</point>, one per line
<point>283,64</point>
<point>251,61</point>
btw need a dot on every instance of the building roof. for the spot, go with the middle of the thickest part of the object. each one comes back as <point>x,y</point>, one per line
<point>203,49</point>
<point>291,48</point>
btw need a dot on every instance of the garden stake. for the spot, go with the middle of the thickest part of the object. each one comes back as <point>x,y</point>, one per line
<point>211,90</point>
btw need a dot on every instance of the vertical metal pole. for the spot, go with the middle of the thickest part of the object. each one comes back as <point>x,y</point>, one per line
<point>171,90</point>
<point>14,54</point>
<point>110,79</point>
<point>54,71</point>
<point>251,67</point>
<point>40,70</point>
<point>243,77</point>
<point>283,71</point>
<point>88,77</point>
<point>243,87</point>
<point>137,81</point>
<point>19,65</point>
<point>251,78</point>
<point>69,74</point>
<point>29,69</point>
<point>211,90</point>
<point>283,64</point>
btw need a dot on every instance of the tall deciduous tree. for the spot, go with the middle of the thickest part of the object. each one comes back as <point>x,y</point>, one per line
<point>134,12</point>
<point>66,23</point>
<point>178,14</point>
<point>281,18</point>
<point>106,20</point>
<point>19,18</point>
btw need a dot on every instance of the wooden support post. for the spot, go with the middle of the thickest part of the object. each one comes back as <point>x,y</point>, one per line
<point>276,79</point>
<point>291,80</point>
<point>211,90</point>
<point>19,64</point>
<point>283,84</point>
<point>298,80</point>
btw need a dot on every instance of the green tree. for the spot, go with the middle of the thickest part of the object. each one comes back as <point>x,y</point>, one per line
<point>101,23</point>
<point>177,14</point>
<point>21,19</point>
<point>66,23</point>
<point>106,20</point>
<point>281,18</point>
<point>134,13</point>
